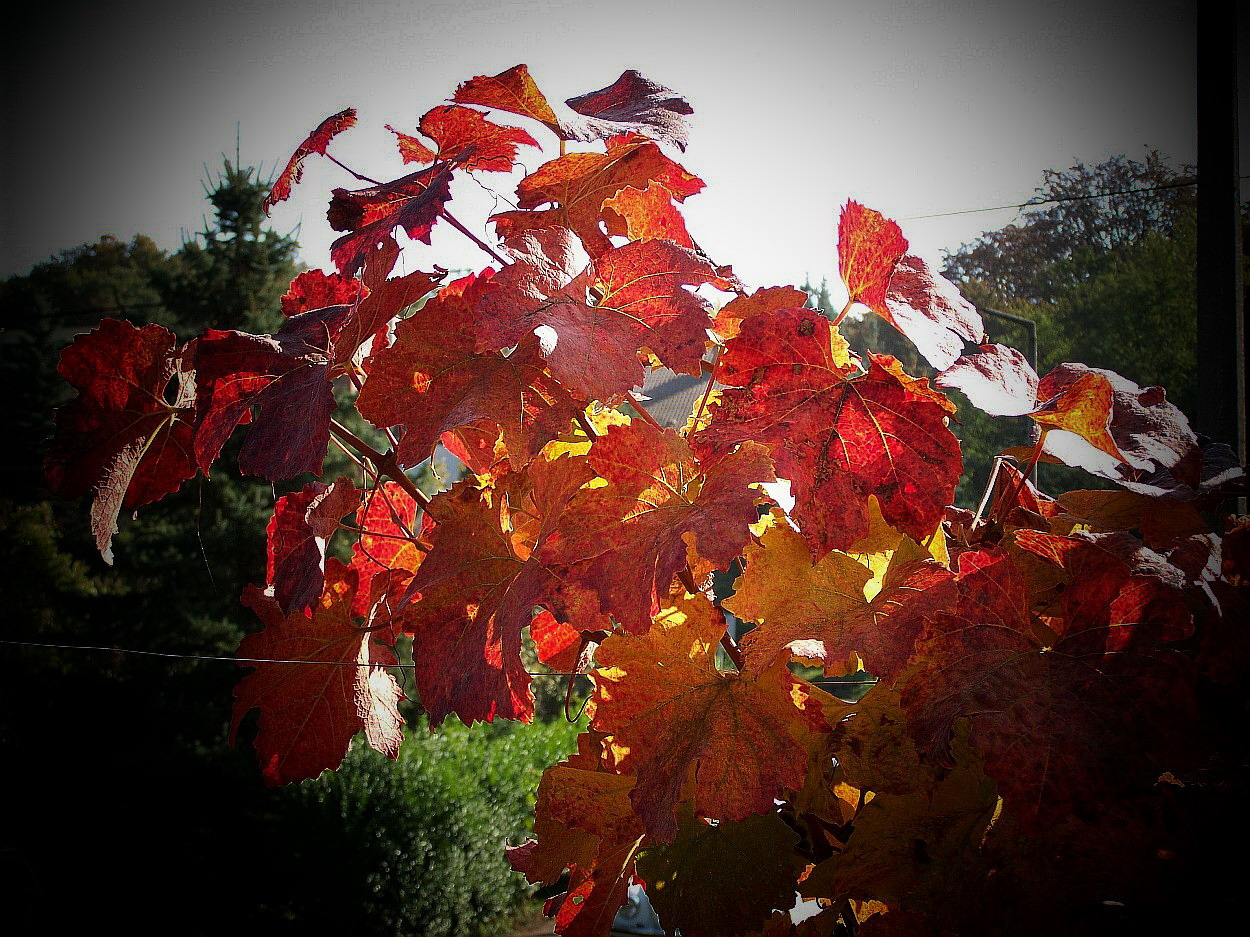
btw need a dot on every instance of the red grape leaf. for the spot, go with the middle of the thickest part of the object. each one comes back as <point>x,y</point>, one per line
<point>820,612</point>
<point>559,644</point>
<point>838,439</point>
<point>286,378</point>
<point>432,380</point>
<point>669,710</point>
<point>577,184</point>
<point>632,103</point>
<point>316,142</point>
<point>997,380</point>
<point>126,437</point>
<point>296,537</point>
<point>629,538</point>
<point>929,310</point>
<point>646,213</point>
<point>465,137</point>
<point>414,202</point>
<point>590,343</point>
<point>315,289</point>
<point>1066,714</point>
<point>325,683</point>
<point>391,546</point>
<point>478,588</point>
<point>869,246</point>
<point>386,300</point>
<point>680,875</point>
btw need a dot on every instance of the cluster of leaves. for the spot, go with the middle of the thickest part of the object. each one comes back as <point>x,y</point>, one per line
<point>1047,670</point>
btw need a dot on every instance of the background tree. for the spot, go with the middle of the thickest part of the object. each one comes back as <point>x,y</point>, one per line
<point>1106,267</point>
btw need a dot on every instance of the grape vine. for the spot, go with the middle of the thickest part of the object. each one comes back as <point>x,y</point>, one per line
<point>1056,738</point>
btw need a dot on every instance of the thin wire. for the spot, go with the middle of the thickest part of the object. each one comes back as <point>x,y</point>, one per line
<point>1055,201</point>
<point>235,660</point>
<point>841,681</point>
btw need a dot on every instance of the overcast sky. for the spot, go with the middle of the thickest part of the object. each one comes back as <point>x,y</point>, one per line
<point>112,110</point>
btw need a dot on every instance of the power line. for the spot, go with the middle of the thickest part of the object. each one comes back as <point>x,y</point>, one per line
<point>1179,184</point>
<point>841,681</point>
<point>233,660</point>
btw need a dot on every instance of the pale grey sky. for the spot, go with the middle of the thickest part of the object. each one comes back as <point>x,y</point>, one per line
<point>910,107</point>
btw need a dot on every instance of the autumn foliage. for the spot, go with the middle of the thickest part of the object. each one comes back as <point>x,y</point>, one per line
<point>1053,733</point>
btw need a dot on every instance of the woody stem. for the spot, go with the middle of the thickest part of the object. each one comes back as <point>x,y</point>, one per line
<point>384,461</point>
<point>451,219</point>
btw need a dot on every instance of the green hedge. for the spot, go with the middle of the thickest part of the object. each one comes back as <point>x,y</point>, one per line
<point>416,846</point>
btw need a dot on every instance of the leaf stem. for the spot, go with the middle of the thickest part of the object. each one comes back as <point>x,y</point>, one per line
<point>384,461</point>
<point>349,169</point>
<point>451,219</point>
<point>587,427</point>
<point>646,417</point>
<point>707,391</point>
<point>845,310</point>
<point>1004,511</point>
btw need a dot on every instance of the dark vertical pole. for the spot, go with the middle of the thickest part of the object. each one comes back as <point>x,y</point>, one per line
<point>1221,329</point>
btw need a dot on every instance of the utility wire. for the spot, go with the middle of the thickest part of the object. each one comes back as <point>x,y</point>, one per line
<point>1180,184</point>
<point>277,660</point>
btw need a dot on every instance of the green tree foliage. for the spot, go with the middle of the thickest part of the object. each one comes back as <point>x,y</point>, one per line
<point>233,273</point>
<point>1108,278</point>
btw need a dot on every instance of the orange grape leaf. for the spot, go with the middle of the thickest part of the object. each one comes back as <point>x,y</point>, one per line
<point>678,874</point>
<point>590,325</point>
<point>729,318</point>
<point>821,612</point>
<point>584,822</point>
<point>477,589</point>
<point>513,91</point>
<point>576,186</point>
<point>324,682</point>
<point>629,538</point>
<point>631,104</point>
<point>839,439</point>
<point>646,213</point>
<point>1067,714</point>
<point>874,748</point>
<point>432,381</point>
<point>316,142</point>
<point>668,710</point>
<point>464,137</point>
<point>869,246</point>
<point>931,312</point>
<point>126,437</point>
<point>1152,437</point>
<point>1082,409</point>
<point>908,849</point>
